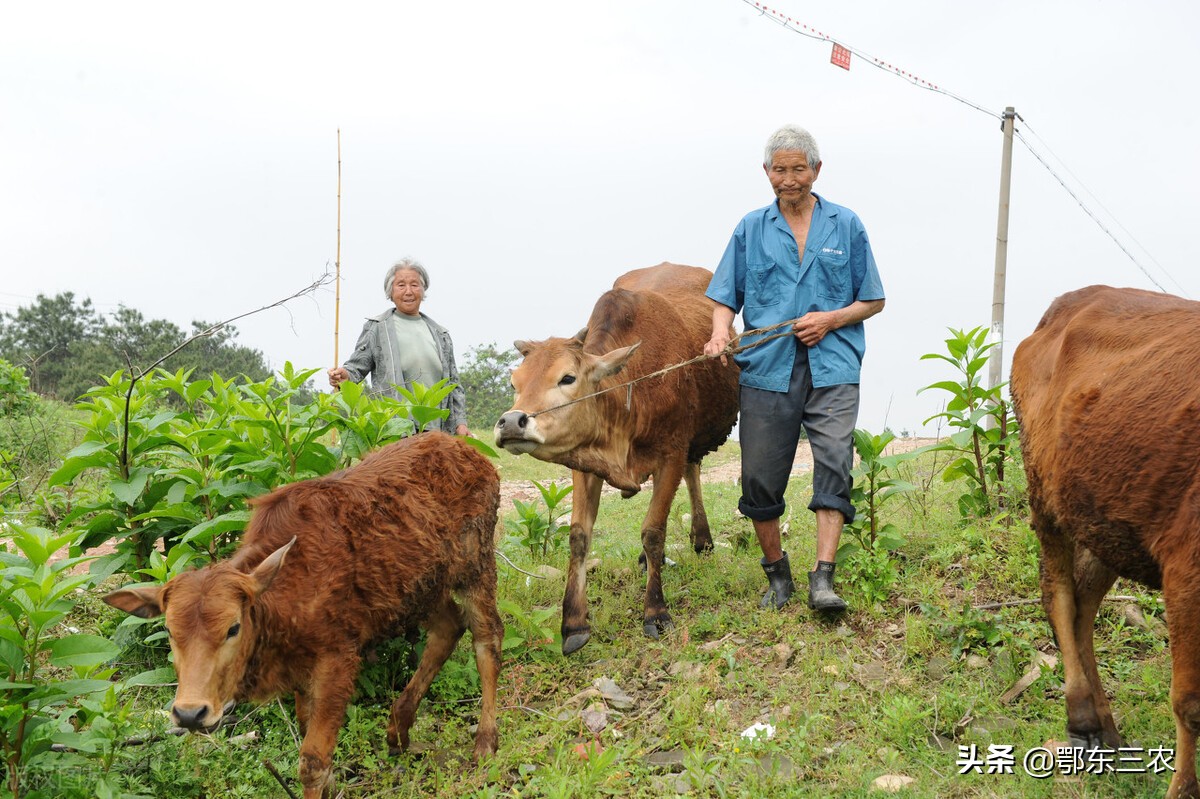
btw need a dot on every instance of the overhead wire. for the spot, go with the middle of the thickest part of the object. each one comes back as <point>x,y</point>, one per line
<point>1088,211</point>
<point>812,33</point>
<point>1111,215</point>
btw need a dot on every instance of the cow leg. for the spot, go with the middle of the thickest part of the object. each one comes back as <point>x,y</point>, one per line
<point>443,627</point>
<point>329,693</point>
<point>1092,581</point>
<point>666,483</point>
<point>1182,597</point>
<point>701,537</point>
<point>1059,600</point>
<point>487,634</point>
<point>576,630</point>
<point>303,710</point>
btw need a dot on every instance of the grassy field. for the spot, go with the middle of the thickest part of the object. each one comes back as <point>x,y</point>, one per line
<point>898,686</point>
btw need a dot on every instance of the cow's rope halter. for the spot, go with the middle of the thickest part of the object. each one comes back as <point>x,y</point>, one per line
<point>730,349</point>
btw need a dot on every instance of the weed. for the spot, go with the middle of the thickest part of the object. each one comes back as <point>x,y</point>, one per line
<point>867,552</point>
<point>541,531</point>
<point>528,633</point>
<point>967,629</point>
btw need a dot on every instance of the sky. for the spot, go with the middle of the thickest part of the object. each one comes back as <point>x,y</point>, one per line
<point>183,160</point>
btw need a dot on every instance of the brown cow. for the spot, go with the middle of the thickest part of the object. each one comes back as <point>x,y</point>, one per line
<point>652,318</point>
<point>1116,371</point>
<point>326,567</point>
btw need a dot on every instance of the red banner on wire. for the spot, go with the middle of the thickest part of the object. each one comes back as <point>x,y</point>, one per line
<point>840,57</point>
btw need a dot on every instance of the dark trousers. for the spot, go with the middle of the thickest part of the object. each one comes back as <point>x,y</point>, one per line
<point>769,430</point>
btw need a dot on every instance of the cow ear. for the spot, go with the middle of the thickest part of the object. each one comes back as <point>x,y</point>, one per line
<point>264,573</point>
<point>581,336</point>
<point>610,363</point>
<point>145,603</point>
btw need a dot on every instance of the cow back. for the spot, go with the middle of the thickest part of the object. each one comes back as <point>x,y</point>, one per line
<point>1107,392</point>
<point>665,309</point>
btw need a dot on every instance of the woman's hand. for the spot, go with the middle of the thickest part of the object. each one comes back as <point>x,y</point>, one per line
<point>337,374</point>
<point>462,430</point>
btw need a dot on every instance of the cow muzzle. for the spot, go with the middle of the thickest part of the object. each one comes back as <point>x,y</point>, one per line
<point>517,432</point>
<point>199,718</point>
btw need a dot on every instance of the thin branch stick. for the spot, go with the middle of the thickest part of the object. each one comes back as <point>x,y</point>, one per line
<point>518,568</point>
<point>278,777</point>
<point>135,376</point>
<point>1014,602</point>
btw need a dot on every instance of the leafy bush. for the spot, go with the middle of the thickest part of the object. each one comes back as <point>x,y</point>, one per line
<point>34,432</point>
<point>54,686</point>
<point>179,473</point>
<point>15,395</point>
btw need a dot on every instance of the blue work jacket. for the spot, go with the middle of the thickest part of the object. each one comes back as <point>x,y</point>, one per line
<point>763,276</point>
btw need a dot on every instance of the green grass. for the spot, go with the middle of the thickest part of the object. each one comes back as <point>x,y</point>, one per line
<point>875,693</point>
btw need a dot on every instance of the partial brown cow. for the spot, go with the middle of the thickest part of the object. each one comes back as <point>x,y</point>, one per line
<point>326,567</point>
<point>1107,391</point>
<point>652,318</point>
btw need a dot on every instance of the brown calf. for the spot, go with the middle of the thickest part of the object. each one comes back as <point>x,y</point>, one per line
<point>328,566</point>
<point>1107,391</point>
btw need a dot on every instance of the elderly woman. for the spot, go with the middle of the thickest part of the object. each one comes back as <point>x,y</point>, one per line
<point>402,346</point>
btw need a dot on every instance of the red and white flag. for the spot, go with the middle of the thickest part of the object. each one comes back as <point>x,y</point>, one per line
<point>840,57</point>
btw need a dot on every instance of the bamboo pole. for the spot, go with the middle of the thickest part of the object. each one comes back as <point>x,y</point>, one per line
<point>337,263</point>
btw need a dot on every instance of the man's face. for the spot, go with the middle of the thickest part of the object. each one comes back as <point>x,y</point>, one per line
<point>791,177</point>
<point>407,291</point>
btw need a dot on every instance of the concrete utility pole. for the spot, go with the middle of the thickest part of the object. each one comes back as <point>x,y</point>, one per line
<point>996,364</point>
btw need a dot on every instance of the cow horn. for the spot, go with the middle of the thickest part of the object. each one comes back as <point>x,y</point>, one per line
<point>581,336</point>
<point>523,346</point>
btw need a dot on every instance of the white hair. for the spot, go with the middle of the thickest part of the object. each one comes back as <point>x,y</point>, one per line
<point>792,137</point>
<point>404,263</point>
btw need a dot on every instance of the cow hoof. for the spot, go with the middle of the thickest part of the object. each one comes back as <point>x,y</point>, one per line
<point>575,641</point>
<point>1087,741</point>
<point>652,627</point>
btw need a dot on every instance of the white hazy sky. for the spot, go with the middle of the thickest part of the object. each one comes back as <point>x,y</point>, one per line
<point>181,159</point>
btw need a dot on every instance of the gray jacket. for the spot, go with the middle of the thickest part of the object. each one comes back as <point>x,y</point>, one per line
<point>378,353</point>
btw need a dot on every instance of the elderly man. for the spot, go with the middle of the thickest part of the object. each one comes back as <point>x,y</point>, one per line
<point>802,258</point>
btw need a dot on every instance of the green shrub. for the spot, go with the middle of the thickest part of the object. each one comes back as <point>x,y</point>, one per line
<point>180,473</point>
<point>986,441</point>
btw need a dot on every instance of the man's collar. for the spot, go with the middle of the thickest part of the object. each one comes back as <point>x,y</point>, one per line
<point>776,212</point>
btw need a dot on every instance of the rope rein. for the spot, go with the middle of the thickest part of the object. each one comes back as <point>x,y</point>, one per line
<point>730,349</point>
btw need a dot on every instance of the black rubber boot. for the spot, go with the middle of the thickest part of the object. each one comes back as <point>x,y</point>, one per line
<point>820,589</point>
<point>780,583</point>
